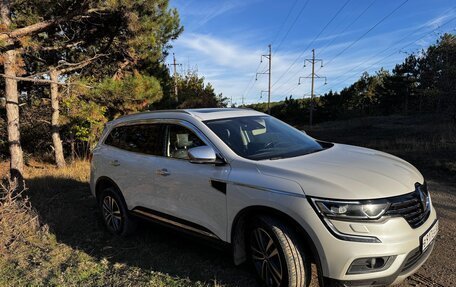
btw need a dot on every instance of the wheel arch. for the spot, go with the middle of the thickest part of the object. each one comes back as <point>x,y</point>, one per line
<point>240,225</point>
<point>104,182</point>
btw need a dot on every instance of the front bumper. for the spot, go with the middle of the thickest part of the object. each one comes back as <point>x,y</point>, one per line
<point>410,265</point>
<point>397,238</point>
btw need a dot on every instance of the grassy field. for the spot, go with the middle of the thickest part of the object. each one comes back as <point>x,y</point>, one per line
<point>62,241</point>
<point>72,248</point>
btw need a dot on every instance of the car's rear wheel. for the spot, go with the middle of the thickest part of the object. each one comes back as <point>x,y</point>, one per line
<point>276,254</point>
<point>115,213</point>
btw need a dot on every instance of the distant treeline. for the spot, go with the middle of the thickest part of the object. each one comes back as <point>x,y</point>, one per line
<point>423,83</point>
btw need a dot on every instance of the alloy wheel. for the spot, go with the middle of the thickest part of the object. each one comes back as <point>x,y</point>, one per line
<point>266,257</point>
<point>111,213</point>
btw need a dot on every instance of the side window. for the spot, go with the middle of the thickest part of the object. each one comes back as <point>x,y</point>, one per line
<point>180,140</point>
<point>116,138</point>
<point>144,138</point>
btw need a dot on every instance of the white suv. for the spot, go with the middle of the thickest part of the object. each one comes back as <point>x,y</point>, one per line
<point>281,198</point>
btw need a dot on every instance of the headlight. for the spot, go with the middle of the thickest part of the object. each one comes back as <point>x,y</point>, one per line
<point>372,209</point>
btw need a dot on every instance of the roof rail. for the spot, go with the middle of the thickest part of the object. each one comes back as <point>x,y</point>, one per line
<point>154,112</point>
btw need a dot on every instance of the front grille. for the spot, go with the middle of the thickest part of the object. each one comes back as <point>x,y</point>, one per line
<point>413,207</point>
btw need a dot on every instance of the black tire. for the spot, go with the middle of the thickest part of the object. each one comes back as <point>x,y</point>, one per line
<point>276,254</point>
<point>114,212</point>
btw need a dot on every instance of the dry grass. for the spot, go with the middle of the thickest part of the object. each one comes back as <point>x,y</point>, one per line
<point>56,238</point>
<point>19,224</point>
<point>79,171</point>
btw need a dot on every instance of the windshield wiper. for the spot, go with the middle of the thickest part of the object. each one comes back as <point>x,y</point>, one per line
<point>276,157</point>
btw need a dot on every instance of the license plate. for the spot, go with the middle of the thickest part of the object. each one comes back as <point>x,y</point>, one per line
<point>429,236</point>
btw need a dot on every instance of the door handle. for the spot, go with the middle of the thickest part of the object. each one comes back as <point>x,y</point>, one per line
<point>115,162</point>
<point>163,172</point>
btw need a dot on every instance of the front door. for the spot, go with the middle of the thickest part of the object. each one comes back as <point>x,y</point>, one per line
<point>188,191</point>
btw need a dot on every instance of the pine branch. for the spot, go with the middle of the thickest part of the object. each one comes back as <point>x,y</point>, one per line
<point>42,81</point>
<point>55,48</point>
<point>44,25</point>
<point>76,66</point>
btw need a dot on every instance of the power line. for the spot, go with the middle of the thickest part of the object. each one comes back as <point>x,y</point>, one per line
<point>368,31</point>
<point>284,22</point>
<point>310,44</point>
<point>250,84</point>
<point>389,55</point>
<point>348,26</point>
<point>289,90</point>
<point>292,25</point>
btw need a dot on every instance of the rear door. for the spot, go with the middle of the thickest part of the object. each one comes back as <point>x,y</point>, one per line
<point>131,157</point>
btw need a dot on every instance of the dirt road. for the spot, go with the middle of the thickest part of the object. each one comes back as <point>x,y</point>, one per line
<point>440,269</point>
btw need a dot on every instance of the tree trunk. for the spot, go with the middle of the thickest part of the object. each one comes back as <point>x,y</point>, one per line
<point>56,141</point>
<point>12,115</point>
<point>73,151</point>
<point>12,103</point>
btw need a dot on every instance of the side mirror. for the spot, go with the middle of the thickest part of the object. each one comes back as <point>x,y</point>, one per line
<point>203,154</point>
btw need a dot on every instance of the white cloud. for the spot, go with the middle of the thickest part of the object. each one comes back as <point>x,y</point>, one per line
<point>220,52</point>
<point>228,62</point>
<point>230,66</point>
<point>438,21</point>
<point>200,13</point>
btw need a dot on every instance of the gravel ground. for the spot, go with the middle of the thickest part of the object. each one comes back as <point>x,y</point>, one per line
<point>440,268</point>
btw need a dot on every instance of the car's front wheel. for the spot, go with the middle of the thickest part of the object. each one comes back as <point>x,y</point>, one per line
<point>115,212</point>
<point>277,254</point>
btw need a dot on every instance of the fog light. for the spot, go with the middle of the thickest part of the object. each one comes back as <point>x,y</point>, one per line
<point>370,264</point>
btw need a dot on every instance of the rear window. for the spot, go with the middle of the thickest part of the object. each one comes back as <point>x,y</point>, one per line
<point>143,138</point>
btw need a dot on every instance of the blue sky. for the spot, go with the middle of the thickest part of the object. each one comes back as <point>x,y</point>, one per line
<point>224,40</point>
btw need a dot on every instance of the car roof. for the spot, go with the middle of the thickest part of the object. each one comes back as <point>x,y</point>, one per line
<point>201,114</point>
<point>222,113</point>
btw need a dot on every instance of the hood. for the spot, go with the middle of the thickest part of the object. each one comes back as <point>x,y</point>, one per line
<point>346,172</point>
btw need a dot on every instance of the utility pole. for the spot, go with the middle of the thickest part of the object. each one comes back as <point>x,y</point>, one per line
<point>312,76</point>
<point>268,72</point>
<point>174,64</point>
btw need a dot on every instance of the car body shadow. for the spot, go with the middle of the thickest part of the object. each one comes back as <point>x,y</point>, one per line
<point>71,212</point>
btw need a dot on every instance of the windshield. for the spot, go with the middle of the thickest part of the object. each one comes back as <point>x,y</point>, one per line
<point>262,137</point>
